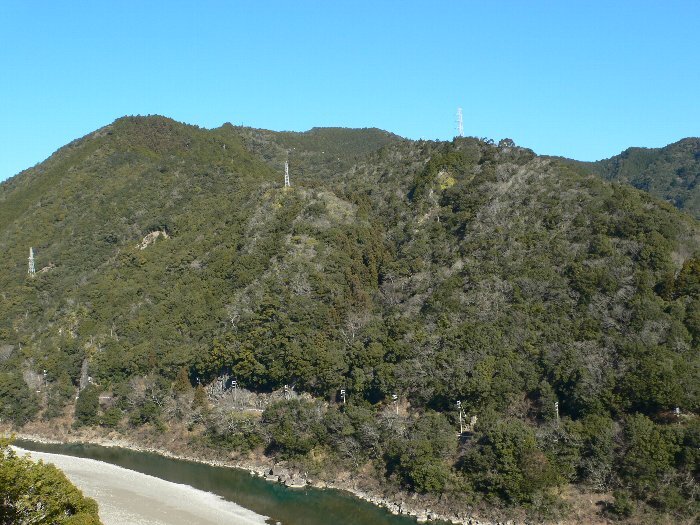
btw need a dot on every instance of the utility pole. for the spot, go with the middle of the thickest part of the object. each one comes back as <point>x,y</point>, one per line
<point>31,270</point>
<point>286,174</point>
<point>460,123</point>
<point>461,425</point>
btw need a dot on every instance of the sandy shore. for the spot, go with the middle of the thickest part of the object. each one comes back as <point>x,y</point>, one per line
<point>127,497</point>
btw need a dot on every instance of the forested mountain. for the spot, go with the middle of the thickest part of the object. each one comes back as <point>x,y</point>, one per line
<point>169,255</point>
<point>671,173</point>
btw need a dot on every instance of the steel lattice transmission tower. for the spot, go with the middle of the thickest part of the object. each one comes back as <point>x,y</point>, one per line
<point>286,174</point>
<point>460,123</point>
<point>30,269</point>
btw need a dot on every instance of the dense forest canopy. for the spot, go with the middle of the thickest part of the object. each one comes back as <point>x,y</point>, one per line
<point>169,256</point>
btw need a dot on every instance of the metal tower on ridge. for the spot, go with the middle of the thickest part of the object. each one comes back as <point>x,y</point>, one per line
<point>31,270</point>
<point>286,174</point>
<point>460,123</point>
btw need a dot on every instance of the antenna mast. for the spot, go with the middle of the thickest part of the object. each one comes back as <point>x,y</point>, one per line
<point>460,123</point>
<point>286,174</point>
<point>31,270</point>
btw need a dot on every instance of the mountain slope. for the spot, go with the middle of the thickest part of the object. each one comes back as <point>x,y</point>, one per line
<point>170,255</point>
<point>671,173</point>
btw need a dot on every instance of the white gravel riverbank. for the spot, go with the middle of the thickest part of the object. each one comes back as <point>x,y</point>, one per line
<point>127,497</point>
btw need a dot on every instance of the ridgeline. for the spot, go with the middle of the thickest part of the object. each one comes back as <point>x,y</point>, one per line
<point>671,173</point>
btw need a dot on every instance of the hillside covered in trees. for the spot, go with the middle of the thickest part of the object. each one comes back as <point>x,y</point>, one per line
<point>171,261</point>
<point>671,173</point>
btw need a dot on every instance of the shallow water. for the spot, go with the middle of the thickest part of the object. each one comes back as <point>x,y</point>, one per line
<point>193,491</point>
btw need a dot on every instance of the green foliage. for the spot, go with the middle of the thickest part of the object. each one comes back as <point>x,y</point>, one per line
<point>235,431</point>
<point>294,427</point>
<point>690,451</point>
<point>649,452</point>
<point>657,378</point>
<point>443,168</point>
<point>148,412</point>
<point>422,457</point>
<point>200,398</point>
<point>111,417</point>
<point>17,403</point>
<point>87,406</point>
<point>622,505</point>
<point>506,461</point>
<point>688,280</point>
<point>597,434</point>
<point>39,493</point>
<point>182,382</point>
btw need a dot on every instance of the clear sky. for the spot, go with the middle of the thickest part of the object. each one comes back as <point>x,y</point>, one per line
<point>584,79</point>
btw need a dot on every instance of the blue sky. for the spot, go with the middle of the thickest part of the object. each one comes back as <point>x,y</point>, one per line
<point>584,79</point>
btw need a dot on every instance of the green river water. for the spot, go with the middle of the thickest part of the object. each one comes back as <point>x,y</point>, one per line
<point>288,506</point>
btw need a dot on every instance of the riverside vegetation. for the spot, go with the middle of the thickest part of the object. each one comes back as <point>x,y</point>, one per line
<point>169,256</point>
<point>40,494</point>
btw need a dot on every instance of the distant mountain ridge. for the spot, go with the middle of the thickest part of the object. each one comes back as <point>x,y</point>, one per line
<point>671,173</point>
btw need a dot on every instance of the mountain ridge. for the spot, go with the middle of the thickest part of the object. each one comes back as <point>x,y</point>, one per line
<point>670,172</point>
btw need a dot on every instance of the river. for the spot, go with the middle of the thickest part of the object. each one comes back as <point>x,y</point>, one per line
<point>142,488</point>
